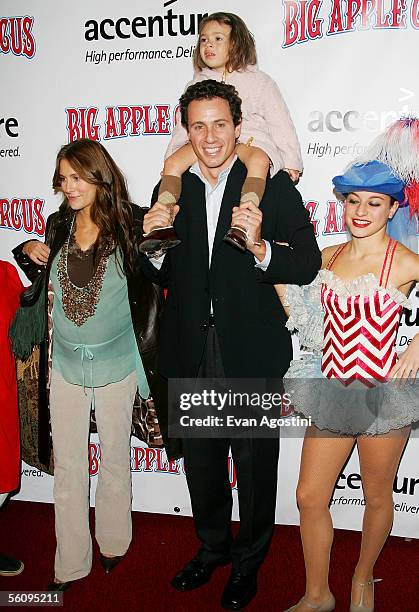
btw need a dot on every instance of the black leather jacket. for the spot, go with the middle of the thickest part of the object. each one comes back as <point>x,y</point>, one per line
<point>146,302</point>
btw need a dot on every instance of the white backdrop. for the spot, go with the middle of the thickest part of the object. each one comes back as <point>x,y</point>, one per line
<point>114,71</point>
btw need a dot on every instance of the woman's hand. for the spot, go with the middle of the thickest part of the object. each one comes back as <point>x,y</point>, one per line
<point>37,251</point>
<point>408,364</point>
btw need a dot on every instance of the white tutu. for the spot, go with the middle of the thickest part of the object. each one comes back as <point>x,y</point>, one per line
<point>354,409</point>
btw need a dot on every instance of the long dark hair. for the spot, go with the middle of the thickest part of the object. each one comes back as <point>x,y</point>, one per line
<point>111,210</point>
<point>242,52</point>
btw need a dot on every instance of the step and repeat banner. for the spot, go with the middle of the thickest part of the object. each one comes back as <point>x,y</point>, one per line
<point>114,71</point>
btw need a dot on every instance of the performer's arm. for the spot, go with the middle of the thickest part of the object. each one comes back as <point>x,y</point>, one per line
<point>408,364</point>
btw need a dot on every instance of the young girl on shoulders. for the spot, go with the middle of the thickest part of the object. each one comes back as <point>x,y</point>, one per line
<point>226,52</point>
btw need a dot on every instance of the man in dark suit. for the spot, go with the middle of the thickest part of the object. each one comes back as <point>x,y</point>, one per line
<point>223,319</point>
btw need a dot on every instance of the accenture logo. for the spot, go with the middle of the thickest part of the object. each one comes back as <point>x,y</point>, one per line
<point>353,120</point>
<point>170,23</point>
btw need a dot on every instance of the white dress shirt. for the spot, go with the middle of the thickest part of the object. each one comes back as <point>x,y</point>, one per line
<point>213,199</point>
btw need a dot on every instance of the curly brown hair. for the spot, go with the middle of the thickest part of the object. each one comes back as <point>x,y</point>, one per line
<point>242,44</point>
<point>111,210</point>
<point>206,90</point>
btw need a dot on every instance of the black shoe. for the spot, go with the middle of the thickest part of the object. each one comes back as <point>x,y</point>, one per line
<point>237,238</point>
<point>239,591</point>
<point>196,573</point>
<point>108,563</point>
<point>160,239</point>
<point>9,566</point>
<point>59,586</point>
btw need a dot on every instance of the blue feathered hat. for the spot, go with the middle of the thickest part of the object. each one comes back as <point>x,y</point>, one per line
<point>372,176</point>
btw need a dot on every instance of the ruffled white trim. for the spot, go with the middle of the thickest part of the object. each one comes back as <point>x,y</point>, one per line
<point>306,314</point>
<point>306,311</point>
<point>364,286</point>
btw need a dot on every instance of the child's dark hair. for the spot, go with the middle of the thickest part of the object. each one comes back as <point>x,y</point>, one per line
<point>207,90</point>
<point>242,44</point>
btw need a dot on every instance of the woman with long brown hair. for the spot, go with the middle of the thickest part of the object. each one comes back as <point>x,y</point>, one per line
<point>104,323</point>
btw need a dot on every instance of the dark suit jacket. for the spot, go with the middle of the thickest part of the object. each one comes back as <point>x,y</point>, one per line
<point>250,321</point>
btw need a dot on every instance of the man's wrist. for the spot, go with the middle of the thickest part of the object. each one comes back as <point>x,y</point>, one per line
<point>258,250</point>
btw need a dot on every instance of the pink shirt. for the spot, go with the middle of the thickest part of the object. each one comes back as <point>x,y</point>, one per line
<point>266,117</point>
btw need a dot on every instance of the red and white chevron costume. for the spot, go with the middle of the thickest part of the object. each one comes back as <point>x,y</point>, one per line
<point>360,330</point>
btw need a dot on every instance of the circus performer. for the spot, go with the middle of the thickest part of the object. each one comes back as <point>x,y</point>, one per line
<point>349,385</point>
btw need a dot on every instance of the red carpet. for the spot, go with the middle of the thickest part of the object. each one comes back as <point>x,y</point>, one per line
<point>162,544</point>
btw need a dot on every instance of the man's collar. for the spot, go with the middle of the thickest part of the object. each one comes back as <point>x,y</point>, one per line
<point>196,169</point>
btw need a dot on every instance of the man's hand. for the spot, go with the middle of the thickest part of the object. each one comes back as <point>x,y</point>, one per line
<point>159,215</point>
<point>248,216</point>
<point>37,251</point>
<point>294,174</point>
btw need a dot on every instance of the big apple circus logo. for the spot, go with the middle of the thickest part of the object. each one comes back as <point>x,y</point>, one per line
<point>302,22</point>
<point>23,214</point>
<point>120,121</point>
<point>152,460</point>
<point>16,36</point>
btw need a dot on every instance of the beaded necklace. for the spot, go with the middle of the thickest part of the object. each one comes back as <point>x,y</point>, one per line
<point>79,303</point>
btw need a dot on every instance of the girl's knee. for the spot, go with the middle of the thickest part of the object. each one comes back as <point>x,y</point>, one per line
<point>258,162</point>
<point>308,498</point>
<point>378,499</point>
<point>172,167</point>
<point>255,160</point>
